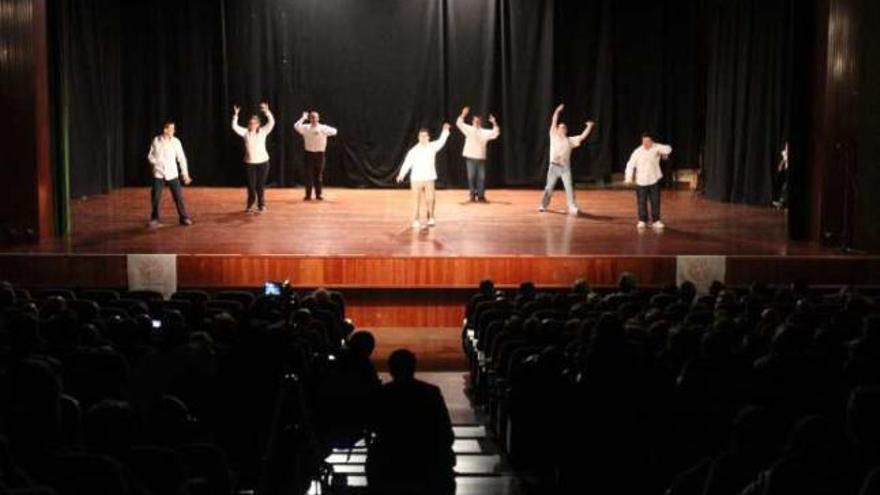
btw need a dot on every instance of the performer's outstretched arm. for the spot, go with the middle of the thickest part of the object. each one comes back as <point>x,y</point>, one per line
<point>300,124</point>
<point>582,136</point>
<point>441,141</point>
<point>664,149</point>
<point>459,122</point>
<point>496,131</point>
<point>270,124</point>
<point>238,129</point>
<point>328,130</point>
<point>555,119</point>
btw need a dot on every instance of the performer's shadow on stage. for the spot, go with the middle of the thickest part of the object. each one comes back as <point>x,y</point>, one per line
<point>120,235</point>
<point>485,203</point>
<point>234,217</point>
<point>585,215</point>
<point>423,235</point>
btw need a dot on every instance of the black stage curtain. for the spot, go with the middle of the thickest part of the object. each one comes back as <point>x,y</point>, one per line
<point>632,66</point>
<point>748,103</point>
<point>380,70</point>
<point>90,60</point>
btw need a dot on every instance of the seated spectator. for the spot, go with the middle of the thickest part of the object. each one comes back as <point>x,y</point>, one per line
<point>412,449</point>
<point>350,383</point>
<point>815,462</point>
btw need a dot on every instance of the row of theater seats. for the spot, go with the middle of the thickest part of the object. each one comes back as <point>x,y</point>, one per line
<point>190,304</point>
<point>663,390</point>
<point>106,391</point>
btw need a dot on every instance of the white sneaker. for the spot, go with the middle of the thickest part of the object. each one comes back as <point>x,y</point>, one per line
<point>416,224</point>
<point>641,225</point>
<point>658,225</point>
<point>573,210</point>
<point>431,222</point>
<point>542,209</point>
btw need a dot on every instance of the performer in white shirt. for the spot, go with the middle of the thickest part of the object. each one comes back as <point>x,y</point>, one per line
<point>420,163</point>
<point>166,155</point>
<point>475,140</point>
<point>256,158</point>
<point>781,182</point>
<point>315,136</point>
<point>561,145</point>
<point>644,169</point>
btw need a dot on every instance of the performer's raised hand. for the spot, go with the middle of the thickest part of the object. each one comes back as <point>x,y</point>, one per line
<point>559,108</point>
<point>446,126</point>
<point>236,109</point>
<point>465,111</point>
<point>492,119</point>
<point>590,123</point>
<point>264,107</point>
<point>305,116</point>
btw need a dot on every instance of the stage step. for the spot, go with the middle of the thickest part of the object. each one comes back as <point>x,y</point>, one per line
<point>479,465</point>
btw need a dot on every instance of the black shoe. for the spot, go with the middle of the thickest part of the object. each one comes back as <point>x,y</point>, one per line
<point>307,198</point>
<point>186,222</point>
<point>482,200</point>
<point>262,209</point>
<point>320,198</point>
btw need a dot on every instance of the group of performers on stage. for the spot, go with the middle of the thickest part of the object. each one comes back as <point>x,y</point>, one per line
<point>170,167</point>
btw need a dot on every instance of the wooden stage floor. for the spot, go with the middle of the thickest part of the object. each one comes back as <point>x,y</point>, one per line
<point>361,240</point>
<point>377,222</point>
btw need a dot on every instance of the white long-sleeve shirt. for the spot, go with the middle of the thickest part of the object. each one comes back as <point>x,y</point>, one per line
<point>255,142</point>
<point>421,160</point>
<point>314,136</point>
<point>561,146</point>
<point>165,156</point>
<point>644,164</point>
<point>475,139</point>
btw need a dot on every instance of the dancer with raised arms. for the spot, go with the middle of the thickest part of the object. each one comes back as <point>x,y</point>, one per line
<point>315,136</point>
<point>561,145</point>
<point>420,164</point>
<point>475,140</point>
<point>256,157</point>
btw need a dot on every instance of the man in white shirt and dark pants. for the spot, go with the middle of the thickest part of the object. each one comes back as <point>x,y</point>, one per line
<point>644,169</point>
<point>166,155</point>
<point>315,136</point>
<point>420,163</point>
<point>475,140</point>
<point>256,158</point>
<point>561,146</point>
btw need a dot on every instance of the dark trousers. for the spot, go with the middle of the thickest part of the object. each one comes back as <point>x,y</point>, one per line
<point>476,171</point>
<point>781,186</point>
<point>176,193</point>
<point>256,183</point>
<point>643,195</point>
<point>314,172</point>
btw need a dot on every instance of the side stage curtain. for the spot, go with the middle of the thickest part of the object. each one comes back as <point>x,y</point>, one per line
<point>748,103</point>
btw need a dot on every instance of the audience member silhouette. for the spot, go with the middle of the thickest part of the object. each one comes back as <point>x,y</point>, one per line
<point>412,449</point>
<point>346,390</point>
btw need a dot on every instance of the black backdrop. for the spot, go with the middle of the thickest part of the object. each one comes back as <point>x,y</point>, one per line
<point>379,70</point>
